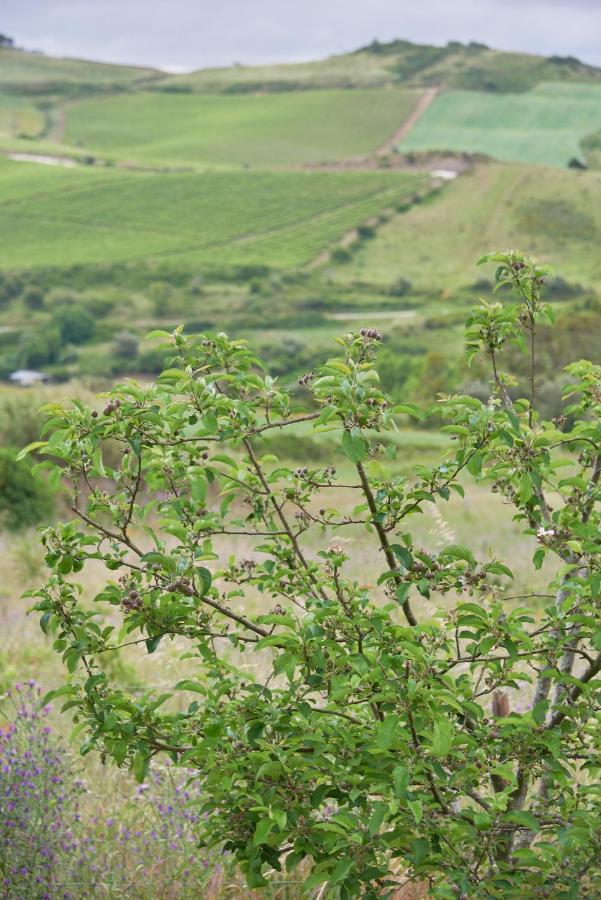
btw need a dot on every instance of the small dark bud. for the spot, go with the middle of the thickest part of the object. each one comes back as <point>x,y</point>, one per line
<point>94,413</point>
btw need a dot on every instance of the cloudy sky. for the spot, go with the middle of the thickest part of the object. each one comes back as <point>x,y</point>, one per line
<point>187,34</point>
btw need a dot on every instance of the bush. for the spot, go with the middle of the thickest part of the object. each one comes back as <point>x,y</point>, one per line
<point>400,287</point>
<point>25,499</point>
<point>341,255</point>
<point>126,345</point>
<point>75,324</point>
<point>33,298</point>
<point>39,348</point>
<point>394,711</point>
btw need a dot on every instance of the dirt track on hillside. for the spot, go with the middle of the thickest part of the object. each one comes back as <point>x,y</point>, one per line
<point>401,133</point>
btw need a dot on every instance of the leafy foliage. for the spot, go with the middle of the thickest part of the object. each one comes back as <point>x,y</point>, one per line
<point>373,736</point>
<point>25,499</point>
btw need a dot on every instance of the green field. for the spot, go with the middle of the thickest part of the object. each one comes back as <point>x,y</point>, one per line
<point>552,213</point>
<point>63,216</point>
<point>272,130</point>
<point>545,125</point>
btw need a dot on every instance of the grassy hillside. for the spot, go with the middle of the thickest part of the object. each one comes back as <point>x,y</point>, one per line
<point>63,217</point>
<point>271,130</point>
<point>545,125</point>
<point>19,117</point>
<point>553,213</point>
<point>35,73</point>
<point>471,66</point>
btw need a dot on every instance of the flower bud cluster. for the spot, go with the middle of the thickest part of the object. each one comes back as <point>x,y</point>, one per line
<point>111,407</point>
<point>371,334</point>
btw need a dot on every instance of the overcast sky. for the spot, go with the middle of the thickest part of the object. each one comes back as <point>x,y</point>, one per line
<point>188,34</point>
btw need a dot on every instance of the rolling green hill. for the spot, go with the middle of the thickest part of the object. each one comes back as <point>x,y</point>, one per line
<point>545,125</point>
<point>266,131</point>
<point>470,66</point>
<point>35,73</point>
<point>64,217</point>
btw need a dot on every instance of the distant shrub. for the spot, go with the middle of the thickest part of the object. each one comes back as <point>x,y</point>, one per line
<point>341,255</point>
<point>10,287</point>
<point>75,324</point>
<point>33,297</point>
<point>99,307</point>
<point>126,344</point>
<point>400,287</point>
<point>366,232</point>
<point>25,499</point>
<point>152,361</point>
<point>39,348</point>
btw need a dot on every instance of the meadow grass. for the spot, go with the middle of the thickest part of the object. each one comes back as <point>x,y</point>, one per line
<point>35,70</point>
<point>545,125</point>
<point>272,130</point>
<point>63,217</point>
<point>19,118</point>
<point>554,214</point>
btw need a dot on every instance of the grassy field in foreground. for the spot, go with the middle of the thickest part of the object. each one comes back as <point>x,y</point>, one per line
<point>75,216</point>
<point>550,213</point>
<point>545,125</point>
<point>269,130</point>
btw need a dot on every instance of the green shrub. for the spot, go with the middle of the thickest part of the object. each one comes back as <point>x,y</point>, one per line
<point>389,709</point>
<point>39,348</point>
<point>25,499</point>
<point>75,324</point>
<point>33,297</point>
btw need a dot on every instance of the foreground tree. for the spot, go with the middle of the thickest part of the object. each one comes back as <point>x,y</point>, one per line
<point>348,726</point>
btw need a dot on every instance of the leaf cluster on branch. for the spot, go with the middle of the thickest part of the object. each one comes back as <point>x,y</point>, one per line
<point>346,726</point>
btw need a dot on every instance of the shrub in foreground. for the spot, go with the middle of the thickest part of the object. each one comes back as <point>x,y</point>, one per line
<point>354,728</point>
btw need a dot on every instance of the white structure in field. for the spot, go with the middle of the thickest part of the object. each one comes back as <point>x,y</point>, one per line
<point>28,377</point>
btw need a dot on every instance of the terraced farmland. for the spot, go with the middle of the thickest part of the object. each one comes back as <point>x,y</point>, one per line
<point>272,130</point>
<point>62,217</point>
<point>545,125</point>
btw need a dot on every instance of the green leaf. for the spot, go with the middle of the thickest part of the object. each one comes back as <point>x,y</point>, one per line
<point>386,732</point>
<point>400,777</point>
<point>521,817</point>
<point>205,579</point>
<point>153,643</point>
<point>417,809</point>
<point>402,591</point>
<point>376,818</point>
<point>262,831</point>
<point>354,446</point>
<point>35,445</point>
<point>341,870</point>
<point>442,738</point>
<point>403,555</point>
<point>140,766</point>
